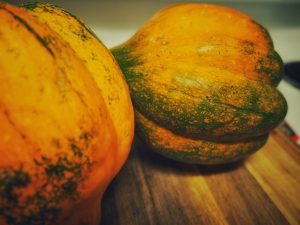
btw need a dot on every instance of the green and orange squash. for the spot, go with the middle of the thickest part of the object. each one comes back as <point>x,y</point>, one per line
<point>66,118</point>
<point>203,83</point>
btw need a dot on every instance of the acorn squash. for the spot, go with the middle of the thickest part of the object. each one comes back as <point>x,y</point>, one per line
<point>61,139</point>
<point>203,83</point>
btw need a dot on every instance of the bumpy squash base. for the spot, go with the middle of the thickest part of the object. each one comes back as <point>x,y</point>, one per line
<point>194,151</point>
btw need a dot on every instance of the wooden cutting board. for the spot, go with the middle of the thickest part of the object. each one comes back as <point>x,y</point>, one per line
<point>263,189</point>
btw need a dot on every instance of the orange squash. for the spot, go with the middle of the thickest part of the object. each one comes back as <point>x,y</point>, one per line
<point>66,119</point>
<point>205,77</point>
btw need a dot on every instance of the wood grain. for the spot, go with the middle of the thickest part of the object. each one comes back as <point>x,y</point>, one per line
<point>263,189</point>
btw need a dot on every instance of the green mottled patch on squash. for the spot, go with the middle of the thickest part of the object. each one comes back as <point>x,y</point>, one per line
<point>60,177</point>
<point>127,62</point>
<point>271,66</point>
<point>226,113</point>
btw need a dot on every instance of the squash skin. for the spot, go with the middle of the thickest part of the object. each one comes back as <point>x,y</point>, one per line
<point>112,85</point>
<point>189,150</point>
<point>205,72</point>
<point>59,145</point>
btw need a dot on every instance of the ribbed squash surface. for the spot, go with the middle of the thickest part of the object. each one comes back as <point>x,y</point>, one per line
<point>60,141</point>
<point>204,72</point>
